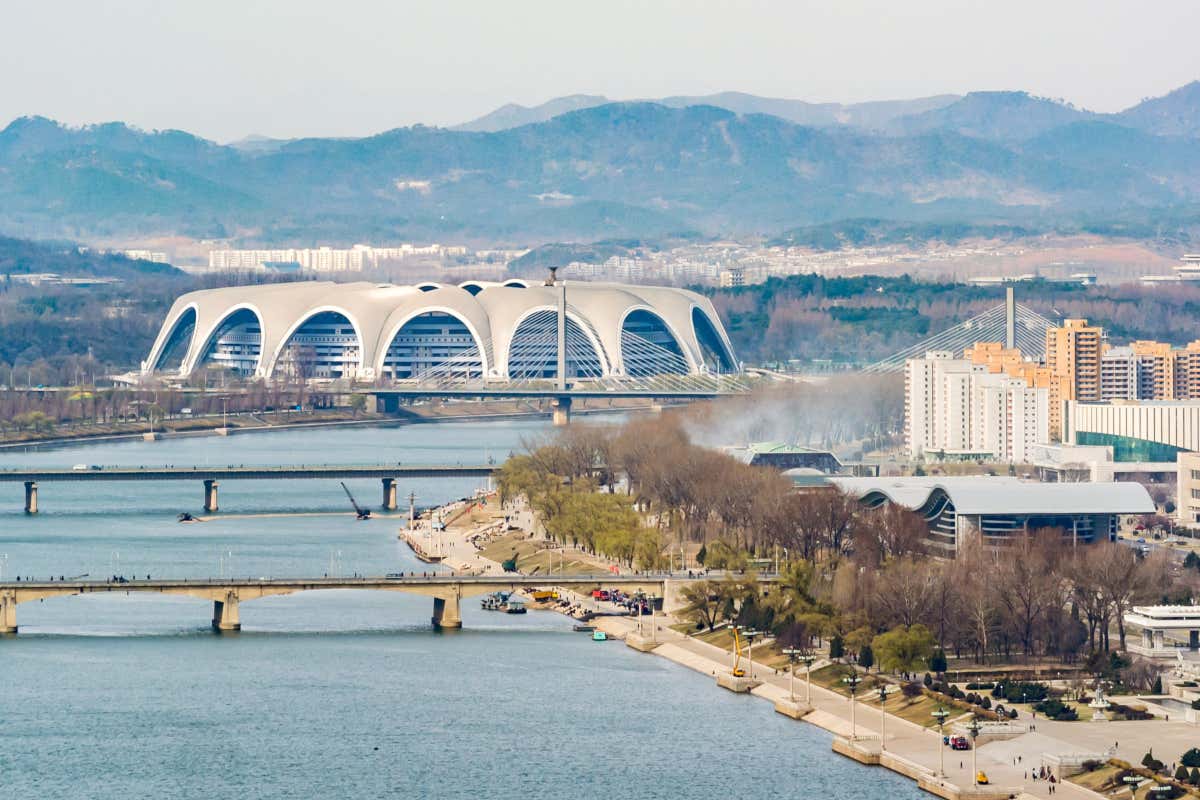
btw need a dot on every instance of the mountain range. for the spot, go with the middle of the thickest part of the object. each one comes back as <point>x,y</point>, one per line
<point>639,169</point>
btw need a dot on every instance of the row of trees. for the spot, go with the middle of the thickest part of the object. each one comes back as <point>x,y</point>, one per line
<point>849,574</point>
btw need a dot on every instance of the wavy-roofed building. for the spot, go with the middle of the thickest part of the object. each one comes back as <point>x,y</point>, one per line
<point>474,331</point>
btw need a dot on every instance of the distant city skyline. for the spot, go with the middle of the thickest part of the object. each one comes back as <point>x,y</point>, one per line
<point>225,69</point>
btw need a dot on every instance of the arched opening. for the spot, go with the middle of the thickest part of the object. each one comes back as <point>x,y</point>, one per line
<point>717,357</point>
<point>533,352</point>
<point>471,288</point>
<point>325,346</point>
<point>235,345</point>
<point>434,345</point>
<point>175,348</point>
<point>516,283</point>
<point>648,347</point>
<point>428,287</point>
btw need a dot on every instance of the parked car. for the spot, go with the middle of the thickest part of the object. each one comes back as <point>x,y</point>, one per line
<point>959,743</point>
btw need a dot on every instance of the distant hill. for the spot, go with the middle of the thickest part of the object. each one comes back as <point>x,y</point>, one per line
<point>1011,116</point>
<point>1174,114</point>
<point>24,257</point>
<point>609,172</point>
<point>873,115</point>
<point>513,115</point>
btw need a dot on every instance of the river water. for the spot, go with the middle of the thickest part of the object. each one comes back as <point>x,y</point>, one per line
<point>341,693</point>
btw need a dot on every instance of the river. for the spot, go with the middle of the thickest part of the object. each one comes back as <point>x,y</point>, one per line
<point>341,693</point>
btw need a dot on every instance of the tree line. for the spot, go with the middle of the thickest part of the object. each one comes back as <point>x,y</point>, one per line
<point>643,492</point>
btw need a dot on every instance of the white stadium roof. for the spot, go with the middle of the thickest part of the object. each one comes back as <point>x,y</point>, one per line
<point>613,329</point>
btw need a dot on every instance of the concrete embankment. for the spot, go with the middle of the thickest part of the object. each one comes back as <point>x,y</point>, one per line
<point>863,749</point>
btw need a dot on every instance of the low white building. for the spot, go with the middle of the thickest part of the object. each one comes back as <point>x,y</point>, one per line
<point>954,408</point>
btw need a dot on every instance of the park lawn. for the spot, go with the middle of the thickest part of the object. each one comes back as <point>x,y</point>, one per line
<point>533,560</point>
<point>1103,781</point>
<point>918,709</point>
<point>830,676</point>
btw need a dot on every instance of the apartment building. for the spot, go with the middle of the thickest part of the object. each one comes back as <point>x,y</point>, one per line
<point>1073,357</point>
<point>961,408</point>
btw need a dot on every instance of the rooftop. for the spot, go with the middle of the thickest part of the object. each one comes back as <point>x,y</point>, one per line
<point>979,494</point>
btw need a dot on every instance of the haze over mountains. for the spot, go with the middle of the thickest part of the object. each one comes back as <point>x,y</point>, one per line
<point>644,169</point>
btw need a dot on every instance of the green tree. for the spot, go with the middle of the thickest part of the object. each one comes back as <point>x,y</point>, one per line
<point>866,657</point>
<point>937,662</point>
<point>837,648</point>
<point>904,649</point>
<point>358,403</point>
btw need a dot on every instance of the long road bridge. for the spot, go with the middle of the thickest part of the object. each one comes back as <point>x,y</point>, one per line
<point>447,591</point>
<point>211,476</point>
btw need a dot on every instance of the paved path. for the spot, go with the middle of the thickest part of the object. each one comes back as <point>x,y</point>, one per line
<point>921,745</point>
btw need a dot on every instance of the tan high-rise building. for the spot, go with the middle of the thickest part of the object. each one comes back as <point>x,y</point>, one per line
<point>1073,357</point>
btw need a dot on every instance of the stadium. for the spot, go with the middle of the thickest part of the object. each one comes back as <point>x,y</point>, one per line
<point>476,331</point>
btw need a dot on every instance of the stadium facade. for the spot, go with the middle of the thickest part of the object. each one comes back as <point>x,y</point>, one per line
<point>476,331</point>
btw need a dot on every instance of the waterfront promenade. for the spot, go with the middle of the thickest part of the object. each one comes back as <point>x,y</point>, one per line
<point>912,749</point>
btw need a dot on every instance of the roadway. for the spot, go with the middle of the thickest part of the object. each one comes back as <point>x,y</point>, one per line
<point>248,472</point>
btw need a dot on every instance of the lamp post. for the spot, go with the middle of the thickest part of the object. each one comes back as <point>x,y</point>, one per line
<point>973,729</point>
<point>882,717</point>
<point>808,659</point>
<point>792,653</point>
<point>750,633</point>
<point>852,680</point>
<point>940,715</point>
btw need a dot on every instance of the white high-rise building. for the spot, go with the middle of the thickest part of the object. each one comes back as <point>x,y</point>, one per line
<point>955,408</point>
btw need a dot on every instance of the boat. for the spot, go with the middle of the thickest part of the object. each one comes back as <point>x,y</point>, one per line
<point>582,628</point>
<point>599,636</point>
<point>513,606</point>
<point>494,602</point>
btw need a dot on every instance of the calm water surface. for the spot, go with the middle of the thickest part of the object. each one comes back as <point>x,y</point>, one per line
<point>341,693</point>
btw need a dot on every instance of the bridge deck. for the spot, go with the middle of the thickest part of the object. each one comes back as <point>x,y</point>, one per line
<point>379,581</point>
<point>249,472</point>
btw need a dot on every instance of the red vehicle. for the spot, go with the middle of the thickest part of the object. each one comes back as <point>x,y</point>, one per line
<point>959,743</point>
<point>601,594</point>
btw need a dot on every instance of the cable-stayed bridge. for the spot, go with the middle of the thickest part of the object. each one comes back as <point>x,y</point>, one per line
<point>1026,331</point>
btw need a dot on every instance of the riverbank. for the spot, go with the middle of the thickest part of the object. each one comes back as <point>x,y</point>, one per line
<point>904,739</point>
<point>184,428</point>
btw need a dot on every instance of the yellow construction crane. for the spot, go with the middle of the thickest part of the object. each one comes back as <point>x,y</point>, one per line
<point>738,672</point>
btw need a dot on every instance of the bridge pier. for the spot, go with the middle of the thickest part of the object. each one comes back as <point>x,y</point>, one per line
<point>31,497</point>
<point>210,495</point>
<point>389,494</point>
<point>8,613</point>
<point>446,614</point>
<point>562,411</point>
<point>225,613</point>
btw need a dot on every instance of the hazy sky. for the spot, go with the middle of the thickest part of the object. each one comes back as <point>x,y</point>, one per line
<point>227,68</point>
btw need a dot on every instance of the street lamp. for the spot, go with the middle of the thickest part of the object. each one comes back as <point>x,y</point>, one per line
<point>882,717</point>
<point>749,634</point>
<point>940,715</point>
<point>792,653</point>
<point>973,729</point>
<point>852,680</point>
<point>808,660</point>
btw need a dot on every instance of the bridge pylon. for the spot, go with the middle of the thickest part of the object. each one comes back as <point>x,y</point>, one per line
<point>446,612</point>
<point>225,613</point>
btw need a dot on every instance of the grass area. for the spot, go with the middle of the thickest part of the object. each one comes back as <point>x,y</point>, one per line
<point>918,709</point>
<point>1106,781</point>
<point>532,559</point>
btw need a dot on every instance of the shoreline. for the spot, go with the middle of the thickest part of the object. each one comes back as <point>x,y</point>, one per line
<point>910,749</point>
<point>383,422</point>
